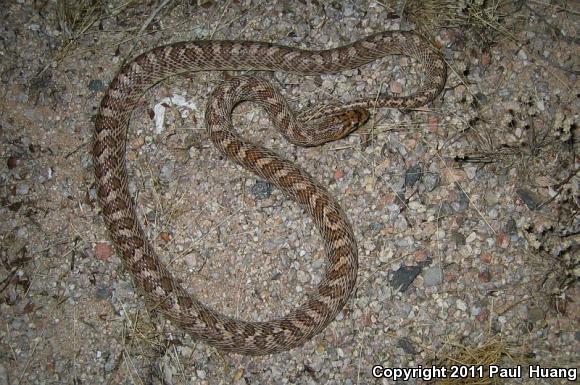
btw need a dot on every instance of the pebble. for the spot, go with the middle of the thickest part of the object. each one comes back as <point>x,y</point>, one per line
<point>302,276</point>
<point>96,85</point>
<point>396,87</point>
<point>167,170</point>
<point>103,292</point>
<point>22,189</point>
<point>535,314</point>
<point>486,258</point>
<point>200,374</point>
<point>431,181</point>
<point>433,276</point>
<point>369,183</point>
<point>13,161</point>
<point>22,232</point>
<point>458,238</point>
<point>412,175</point>
<point>407,346</point>
<point>103,251</point>
<point>484,276</point>
<point>470,171</point>
<point>261,189</point>
<point>137,143</point>
<point>462,202</point>
<point>404,277</point>
<point>401,224</point>
<point>528,198</point>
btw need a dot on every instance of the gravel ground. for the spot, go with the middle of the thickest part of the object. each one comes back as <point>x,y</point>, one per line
<point>466,211</point>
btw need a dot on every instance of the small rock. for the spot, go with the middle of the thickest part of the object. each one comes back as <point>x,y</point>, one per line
<point>485,59</point>
<point>431,181</point>
<point>470,171</point>
<point>407,346</point>
<point>103,292</point>
<point>396,87</point>
<point>480,99</point>
<point>13,162</point>
<point>200,374</point>
<point>185,351</point>
<point>535,314</point>
<point>417,206</point>
<point>238,375</point>
<point>491,198</point>
<point>484,276</point>
<point>338,174</point>
<point>471,237</point>
<point>404,277</point>
<point>302,276</point>
<point>511,226</point>
<point>401,224</point>
<point>462,202</point>
<point>166,175</point>
<point>103,251</point>
<point>22,232</point>
<point>261,189</point>
<point>458,238</point>
<point>528,198</point>
<point>412,175</point>
<point>22,189</point>
<point>433,276</point>
<point>433,124</point>
<point>96,85</point>
<point>369,183</point>
<point>137,143</point>
<point>502,240</point>
<point>486,258</point>
<point>421,255</point>
<point>483,316</point>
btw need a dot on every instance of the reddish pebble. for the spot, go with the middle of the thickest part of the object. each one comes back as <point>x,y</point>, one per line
<point>484,276</point>
<point>12,162</point>
<point>483,316</point>
<point>137,143</point>
<point>485,59</point>
<point>103,251</point>
<point>486,258</point>
<point>502,240</point>
<point>165,237</point>
<point>420,255</point>
<point>338,174</point>
<point>449,276</point>
<point>396,87</point>
<point>433,124</point>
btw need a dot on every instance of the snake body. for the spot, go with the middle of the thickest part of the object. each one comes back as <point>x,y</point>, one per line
<point>118,209</point>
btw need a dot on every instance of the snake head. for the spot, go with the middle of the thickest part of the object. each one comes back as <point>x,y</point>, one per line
<point>337,125</point>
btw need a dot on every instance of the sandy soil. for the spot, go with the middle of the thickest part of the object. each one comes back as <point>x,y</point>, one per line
<point>466,210</point>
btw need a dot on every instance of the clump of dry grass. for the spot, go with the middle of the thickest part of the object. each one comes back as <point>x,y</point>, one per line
<point>79,18</point>
<point>494,351</point>
<point>483,18</point>
<point>76,17</point>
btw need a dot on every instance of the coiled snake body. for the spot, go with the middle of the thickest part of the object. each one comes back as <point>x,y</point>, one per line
<point>129,239</point>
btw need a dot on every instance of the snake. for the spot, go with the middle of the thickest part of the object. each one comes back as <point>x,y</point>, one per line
<point>331,122</point>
